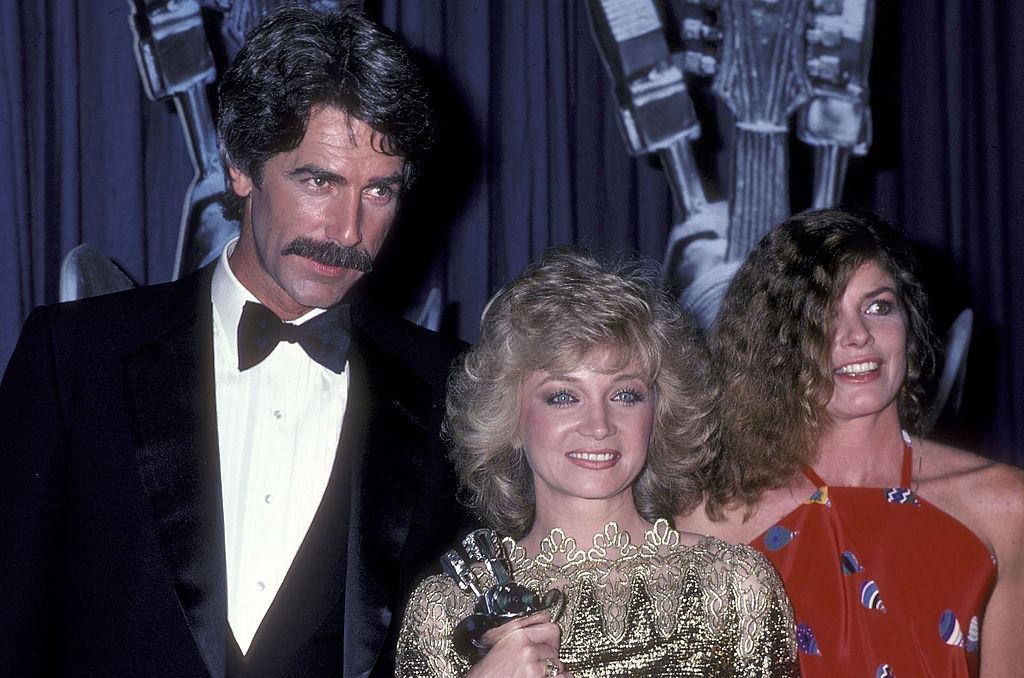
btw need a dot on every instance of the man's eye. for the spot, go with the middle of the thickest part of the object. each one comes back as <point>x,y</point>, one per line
<point>317,182</point>
<point>381,193</point>
<point>561,398</point>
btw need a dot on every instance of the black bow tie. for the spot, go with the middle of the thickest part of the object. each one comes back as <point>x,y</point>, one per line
<point>325,338</point>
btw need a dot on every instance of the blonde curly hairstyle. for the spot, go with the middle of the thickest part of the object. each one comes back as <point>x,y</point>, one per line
<point>551,317</point>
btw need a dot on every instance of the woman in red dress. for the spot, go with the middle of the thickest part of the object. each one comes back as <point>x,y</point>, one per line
<point>903,557</point>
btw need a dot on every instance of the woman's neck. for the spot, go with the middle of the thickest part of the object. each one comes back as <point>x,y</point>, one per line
<point>581,519</point>
<point>865,451</point>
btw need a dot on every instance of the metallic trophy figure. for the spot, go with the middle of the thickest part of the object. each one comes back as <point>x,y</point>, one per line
<point>503,601</point>
<point>175,62</point>
<point>656,115</point>
<point>837,120</point>
<point>768,60</point>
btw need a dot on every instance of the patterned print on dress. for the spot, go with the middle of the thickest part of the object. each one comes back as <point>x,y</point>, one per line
<point>901,495</point>
<point>973,635</point>
<point>884,671</point>
<point>849,563</point>
<point>778,536</point>
<point>806,641</point>
<point>870,596</point>
<point>820,496</point>
<point>949,629</point>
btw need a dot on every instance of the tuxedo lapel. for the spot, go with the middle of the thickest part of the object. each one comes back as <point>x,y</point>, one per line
<point>386,457</point>
<point>169,385</point>
<point>353,553</point>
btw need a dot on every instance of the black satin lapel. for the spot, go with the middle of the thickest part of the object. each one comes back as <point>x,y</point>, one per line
<point>386,481</point>
<point>170,388</point>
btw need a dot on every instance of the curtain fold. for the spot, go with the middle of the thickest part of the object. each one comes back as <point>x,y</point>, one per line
<point>962,194</point>
<point>89,157</point>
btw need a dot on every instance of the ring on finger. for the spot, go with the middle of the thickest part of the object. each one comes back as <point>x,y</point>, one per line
<point>551,667</point>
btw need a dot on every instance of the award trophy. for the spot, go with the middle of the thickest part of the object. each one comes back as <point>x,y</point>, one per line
<point>504,601</point>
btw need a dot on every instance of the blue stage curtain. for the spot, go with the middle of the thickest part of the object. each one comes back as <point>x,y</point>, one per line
<point>88,158</point>
<point>533,157</point>
<point>960,192</point>
<point>536,157</point>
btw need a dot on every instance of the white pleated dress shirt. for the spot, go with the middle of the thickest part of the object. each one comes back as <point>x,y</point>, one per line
<point>278,425</point>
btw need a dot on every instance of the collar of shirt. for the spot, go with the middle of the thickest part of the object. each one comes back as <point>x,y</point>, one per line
<point>229,296</point>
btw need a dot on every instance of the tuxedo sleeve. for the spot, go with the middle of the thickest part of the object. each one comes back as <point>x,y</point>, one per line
<point>32,498</point>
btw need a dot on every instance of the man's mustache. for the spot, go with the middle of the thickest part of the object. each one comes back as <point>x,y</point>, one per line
<point>330,254</point>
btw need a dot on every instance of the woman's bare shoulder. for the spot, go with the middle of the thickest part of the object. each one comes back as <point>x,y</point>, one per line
<point>986,495</point>
<point>945,468</point>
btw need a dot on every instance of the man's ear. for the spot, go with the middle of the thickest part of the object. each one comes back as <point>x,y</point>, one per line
<point>241,184</point>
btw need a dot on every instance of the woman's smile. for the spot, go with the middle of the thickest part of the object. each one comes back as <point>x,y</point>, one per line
<point>586,430</point>
<point>596,460</point>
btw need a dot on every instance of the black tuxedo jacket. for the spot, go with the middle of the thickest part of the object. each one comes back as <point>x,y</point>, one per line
<point>111,527</point>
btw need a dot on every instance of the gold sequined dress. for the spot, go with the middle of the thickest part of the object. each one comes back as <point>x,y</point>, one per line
<point>659,608</point>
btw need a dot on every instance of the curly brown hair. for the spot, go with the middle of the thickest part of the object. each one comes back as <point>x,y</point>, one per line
<point>771,346</point>
<point>550,318</point>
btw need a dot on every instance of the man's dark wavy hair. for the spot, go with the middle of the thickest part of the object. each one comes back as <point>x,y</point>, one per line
<point>297,60</point>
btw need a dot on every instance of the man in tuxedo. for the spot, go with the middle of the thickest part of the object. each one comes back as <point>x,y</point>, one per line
<point>240,473</point>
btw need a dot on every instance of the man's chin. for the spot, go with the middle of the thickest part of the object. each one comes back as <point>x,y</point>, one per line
<point>324,298</point>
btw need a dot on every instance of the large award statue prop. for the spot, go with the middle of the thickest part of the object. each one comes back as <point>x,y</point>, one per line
<point>503,601</point>
<point>771,63</point>
<point>768,62</point>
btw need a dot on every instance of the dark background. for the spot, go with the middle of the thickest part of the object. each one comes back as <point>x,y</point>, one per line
<point>533,157</point>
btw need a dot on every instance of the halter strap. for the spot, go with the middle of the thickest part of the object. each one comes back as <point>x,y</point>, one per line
<point>813,477</point>
<point>908,461</point>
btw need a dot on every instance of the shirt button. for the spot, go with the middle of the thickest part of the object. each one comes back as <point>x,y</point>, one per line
<point>260,586</point>
<point>278,414</point>
<point>269,499</point>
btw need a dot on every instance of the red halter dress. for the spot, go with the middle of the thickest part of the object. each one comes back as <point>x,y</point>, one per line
<point>883,583</point>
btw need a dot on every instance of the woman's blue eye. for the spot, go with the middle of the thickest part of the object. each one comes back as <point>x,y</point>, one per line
<point>629,396</point>
<point>560,398</point>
